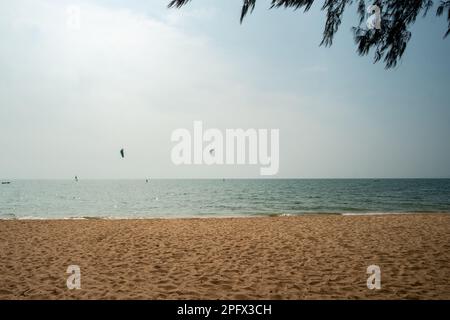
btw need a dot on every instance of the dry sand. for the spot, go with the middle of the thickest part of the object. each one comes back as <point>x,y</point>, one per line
<point>309,257</point>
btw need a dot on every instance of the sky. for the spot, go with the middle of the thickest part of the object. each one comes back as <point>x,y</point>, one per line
<point>135,71</point>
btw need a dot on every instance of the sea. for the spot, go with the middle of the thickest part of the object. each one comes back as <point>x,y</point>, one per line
<point>123,199</point>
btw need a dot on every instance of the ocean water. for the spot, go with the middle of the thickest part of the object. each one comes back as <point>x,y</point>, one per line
<point>54,199</point>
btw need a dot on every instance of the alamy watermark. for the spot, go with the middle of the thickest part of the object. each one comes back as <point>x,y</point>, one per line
<point>374,280</point>
<point>73,17</point>
<point>374,20</point>
<point>234,147</point>
<point>74,280</point>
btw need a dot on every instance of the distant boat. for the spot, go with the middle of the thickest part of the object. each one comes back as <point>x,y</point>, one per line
<point>6,182</point>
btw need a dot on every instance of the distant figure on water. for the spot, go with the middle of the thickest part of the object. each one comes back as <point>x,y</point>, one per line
<point>122,153</point>
<point>76,178</point>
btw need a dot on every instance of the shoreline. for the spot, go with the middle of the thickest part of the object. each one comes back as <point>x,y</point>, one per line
<point>299,257</point>
<point>218,216</point>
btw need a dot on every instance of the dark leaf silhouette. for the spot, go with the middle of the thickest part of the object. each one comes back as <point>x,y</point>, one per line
<point>388,43</point>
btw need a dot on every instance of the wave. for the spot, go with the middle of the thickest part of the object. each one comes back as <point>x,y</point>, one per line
<point>210,216</point>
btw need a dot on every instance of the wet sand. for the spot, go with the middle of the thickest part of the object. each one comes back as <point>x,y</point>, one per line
<point>308,257</point>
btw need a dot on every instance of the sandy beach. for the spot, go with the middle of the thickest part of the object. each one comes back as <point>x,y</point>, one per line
<point>307,257</point>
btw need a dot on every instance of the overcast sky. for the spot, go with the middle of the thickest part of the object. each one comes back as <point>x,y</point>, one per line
<point>134,71</point>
